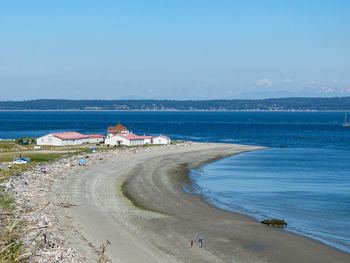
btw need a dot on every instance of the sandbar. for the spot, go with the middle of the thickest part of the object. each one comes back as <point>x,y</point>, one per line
<point>136,201</point>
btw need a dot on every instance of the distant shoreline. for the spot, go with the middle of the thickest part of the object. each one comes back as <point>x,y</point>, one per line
<point>270,104</point>
<point>176,110</point>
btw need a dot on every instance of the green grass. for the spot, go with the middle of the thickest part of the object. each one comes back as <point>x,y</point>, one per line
<point>39,157</point>
<point>44,157</point>
<point>6,202</point>
<point>7,146</point>
<point>35,157</point>
<point>177,142</point>
<point>6,142</point>
<point>16,170</point>
<point>69,147</point>
<point>10,230</point>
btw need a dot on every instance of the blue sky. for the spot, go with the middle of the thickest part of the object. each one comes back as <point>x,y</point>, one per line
<point>173,49</point>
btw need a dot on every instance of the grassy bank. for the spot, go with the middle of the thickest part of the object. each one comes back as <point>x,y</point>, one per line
<point>16,169</point>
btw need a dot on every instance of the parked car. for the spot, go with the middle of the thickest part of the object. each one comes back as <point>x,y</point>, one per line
<point>19,161</point>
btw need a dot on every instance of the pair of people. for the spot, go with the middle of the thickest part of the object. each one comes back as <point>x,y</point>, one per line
<point>200,241</point>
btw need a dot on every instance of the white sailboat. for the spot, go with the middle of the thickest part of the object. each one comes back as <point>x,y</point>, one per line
<point>346,123</point>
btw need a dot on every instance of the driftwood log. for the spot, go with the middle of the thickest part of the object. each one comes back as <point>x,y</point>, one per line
<point>275,222</point>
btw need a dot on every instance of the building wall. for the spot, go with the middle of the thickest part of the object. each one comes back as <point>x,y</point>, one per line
<point>137,142</point>
<point>94,140</point>
<point>123,141</point>
<point>161,140</point>
<point>49,139</point>
<point>73,142</point>
<point>114,141</point>
<point>148,141</point>
<point>109,135</point>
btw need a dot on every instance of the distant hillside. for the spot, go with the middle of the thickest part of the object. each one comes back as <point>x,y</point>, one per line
<point>339,103</point>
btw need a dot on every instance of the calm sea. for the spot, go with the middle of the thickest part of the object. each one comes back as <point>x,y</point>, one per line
<point>304,177</point>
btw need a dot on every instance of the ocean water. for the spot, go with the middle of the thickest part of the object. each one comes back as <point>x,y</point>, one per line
<point>309,188</point>
<point>304,176</point>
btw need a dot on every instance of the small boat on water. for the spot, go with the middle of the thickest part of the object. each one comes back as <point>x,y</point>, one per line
<point>346,123</point>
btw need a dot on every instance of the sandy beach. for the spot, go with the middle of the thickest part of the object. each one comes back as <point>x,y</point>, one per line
<point>137,203</point>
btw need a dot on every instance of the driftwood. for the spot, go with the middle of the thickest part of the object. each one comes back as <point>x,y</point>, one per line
<point>46,205</point>
<point>23,257</point>
<point>49,202</point>
<point>65,204</point>
<point>6,214</point>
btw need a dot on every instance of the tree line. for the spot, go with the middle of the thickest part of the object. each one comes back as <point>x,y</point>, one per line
<point>336,103</point>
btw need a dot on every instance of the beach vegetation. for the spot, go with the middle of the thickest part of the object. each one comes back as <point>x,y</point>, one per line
<point>25,141</point>
<point>11,234</point>
<point>102,257</point>
<point>12,146</point>
<point>13,230</point>
<point>7,145</point>
<point>6,202</point>
<point>177,142</point>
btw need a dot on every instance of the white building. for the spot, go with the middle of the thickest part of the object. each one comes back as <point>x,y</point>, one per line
<point>68,138</point>
<point>120,135</point>
<point>161,139</point>
<point>95,138</point>
<point>132,139</point>
<point>129,139</point>
<point>148,139</point>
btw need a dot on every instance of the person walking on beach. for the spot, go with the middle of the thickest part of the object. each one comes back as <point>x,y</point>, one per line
<point>192,243</point>
<point>200,242</point>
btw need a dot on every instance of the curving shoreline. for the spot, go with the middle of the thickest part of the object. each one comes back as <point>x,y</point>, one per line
<point>169,217</point>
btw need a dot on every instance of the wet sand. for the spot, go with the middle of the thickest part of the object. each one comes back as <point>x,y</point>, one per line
<point>136,201</point>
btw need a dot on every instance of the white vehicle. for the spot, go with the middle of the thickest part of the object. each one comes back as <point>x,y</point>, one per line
<point>19,161</point>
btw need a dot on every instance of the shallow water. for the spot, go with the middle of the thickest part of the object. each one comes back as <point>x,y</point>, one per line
<point>309,188</point>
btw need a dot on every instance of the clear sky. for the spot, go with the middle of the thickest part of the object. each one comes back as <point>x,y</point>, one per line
<point>174,49</point>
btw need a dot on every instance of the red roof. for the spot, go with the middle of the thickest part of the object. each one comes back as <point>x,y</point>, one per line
<point>92,136</point>
<point>131,136</point>
<point>69,135</point>
<point>116,129</point>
